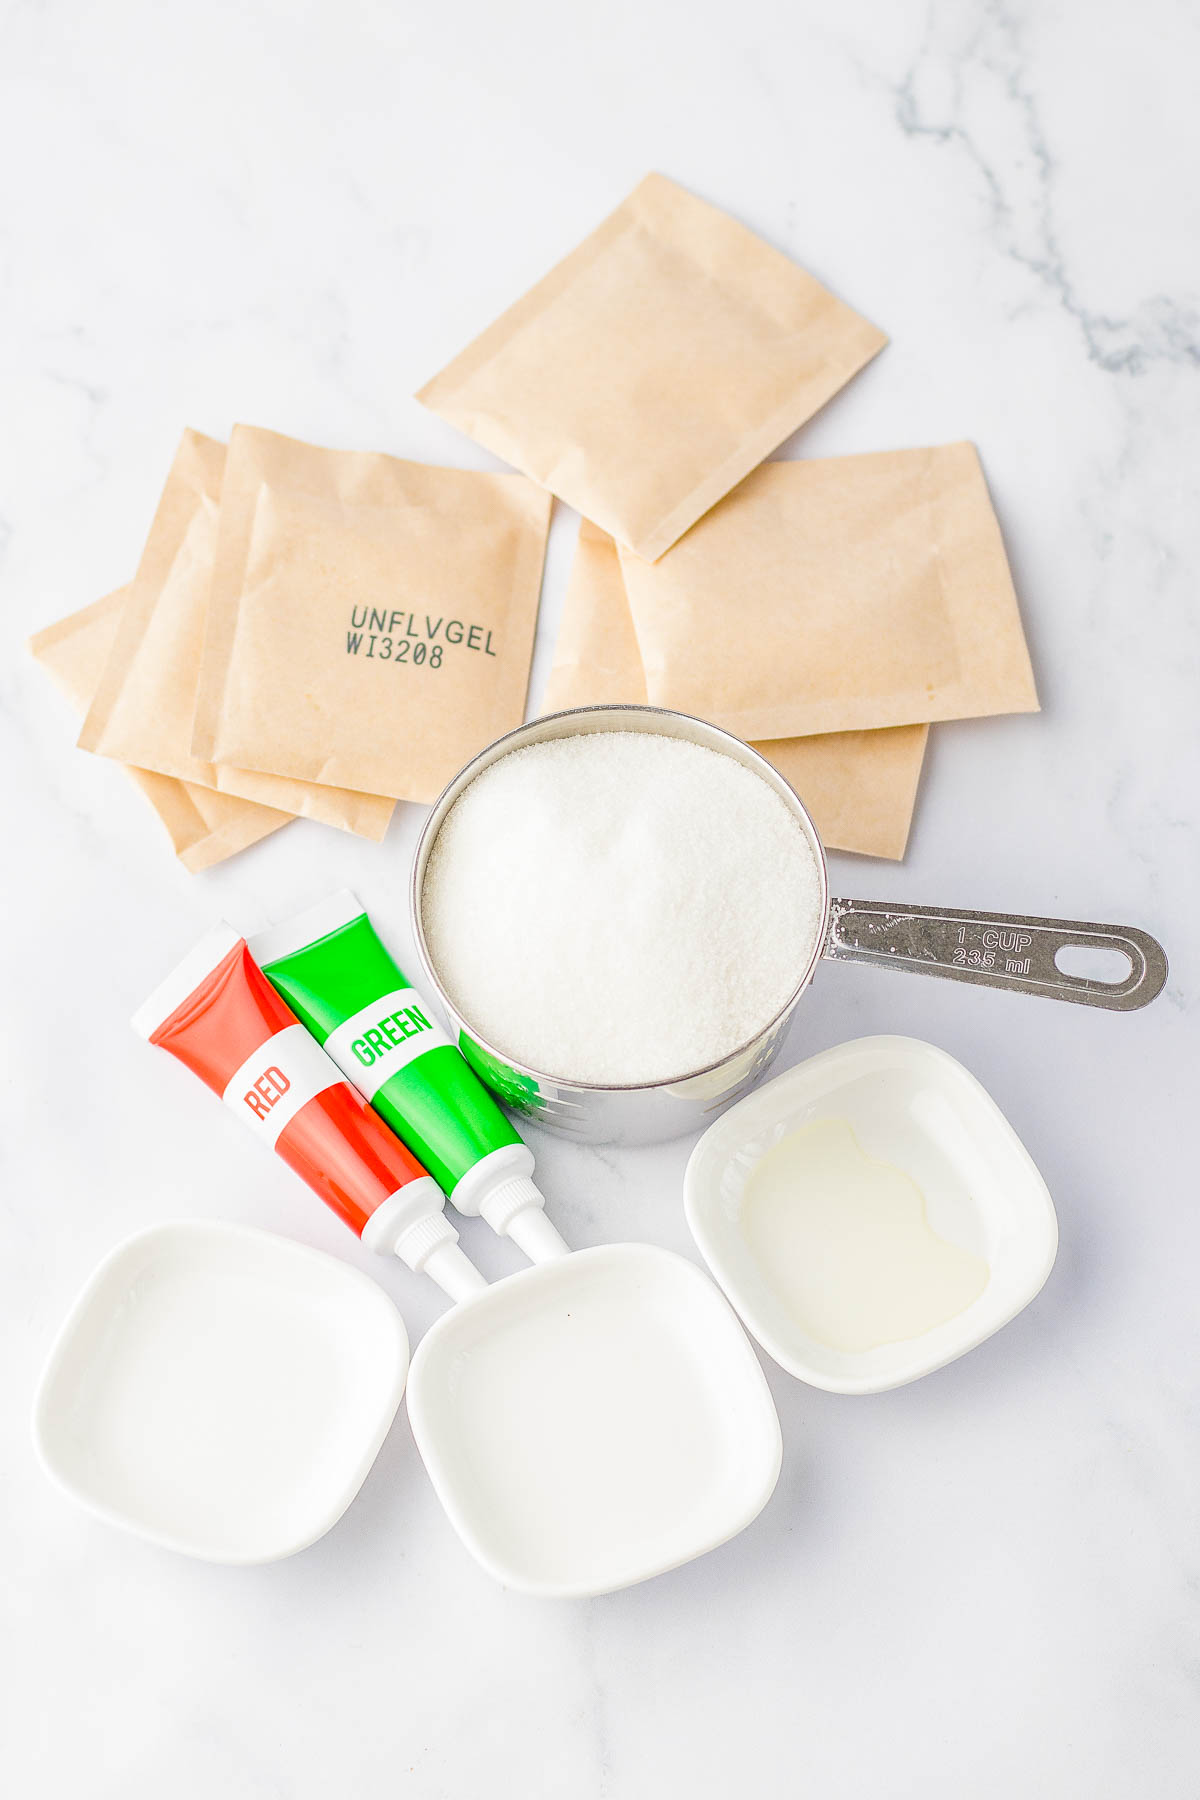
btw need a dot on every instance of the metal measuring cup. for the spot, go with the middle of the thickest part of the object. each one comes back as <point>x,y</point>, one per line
<point>990,949</point>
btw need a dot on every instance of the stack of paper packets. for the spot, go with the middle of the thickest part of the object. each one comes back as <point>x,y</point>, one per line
<point>320,632</point>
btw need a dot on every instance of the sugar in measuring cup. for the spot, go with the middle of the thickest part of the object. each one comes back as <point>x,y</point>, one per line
<point>544,826</point>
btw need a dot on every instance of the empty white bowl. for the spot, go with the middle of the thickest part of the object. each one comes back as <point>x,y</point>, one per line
<point>913,1106</point>
<point>593,1421</point>
<point>221,1391</point>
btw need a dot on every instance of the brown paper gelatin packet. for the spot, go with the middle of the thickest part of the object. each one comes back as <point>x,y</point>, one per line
<point>142,710</point>
<point>837,595</point>
<point>204,827</point>
<point>860,786</point>
<point>655,366</point>
<point>371,620</point>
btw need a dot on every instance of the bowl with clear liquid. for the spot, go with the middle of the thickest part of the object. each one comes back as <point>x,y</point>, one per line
<point>871,1214</point>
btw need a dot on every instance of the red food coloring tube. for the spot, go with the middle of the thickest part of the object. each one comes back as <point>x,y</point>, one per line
<point>219,1015</point>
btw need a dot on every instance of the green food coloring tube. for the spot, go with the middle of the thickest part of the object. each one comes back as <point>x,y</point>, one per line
<point>340,980</point>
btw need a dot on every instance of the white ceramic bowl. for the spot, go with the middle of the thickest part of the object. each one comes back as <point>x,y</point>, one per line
<point>221,1391</point>
<point>911,1105</point>
<point>594,1420</point>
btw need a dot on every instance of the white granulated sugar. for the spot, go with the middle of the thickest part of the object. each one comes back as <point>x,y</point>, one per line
<point>620,907</point>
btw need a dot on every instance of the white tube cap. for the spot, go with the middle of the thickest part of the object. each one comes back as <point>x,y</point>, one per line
<point>500,1190</point>
<point>411,1225</point>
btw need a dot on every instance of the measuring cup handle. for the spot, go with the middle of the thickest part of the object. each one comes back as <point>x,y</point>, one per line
<point>1002,950</point>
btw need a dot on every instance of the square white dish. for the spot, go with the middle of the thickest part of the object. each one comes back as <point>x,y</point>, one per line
<point>221,1391</point>
<point>913,1106</point>
<point>594,1420</point>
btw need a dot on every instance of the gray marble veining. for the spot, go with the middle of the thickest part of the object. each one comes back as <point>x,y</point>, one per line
<point>985,1584</point>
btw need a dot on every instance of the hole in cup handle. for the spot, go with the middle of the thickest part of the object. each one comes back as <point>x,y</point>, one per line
<point>1006,950</point>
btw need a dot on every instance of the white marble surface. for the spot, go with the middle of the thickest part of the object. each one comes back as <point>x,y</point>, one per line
<point>984,1584</point>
